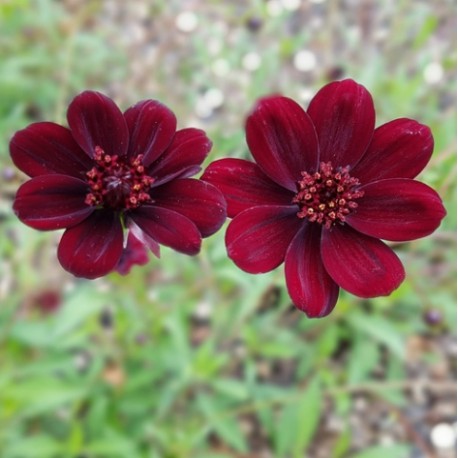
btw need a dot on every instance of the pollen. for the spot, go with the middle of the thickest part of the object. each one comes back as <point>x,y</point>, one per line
<point>327,196</point>
<point>116,183</point>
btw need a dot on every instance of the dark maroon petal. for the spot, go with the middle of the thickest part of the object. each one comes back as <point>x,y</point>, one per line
<point>362,265</point>
<point>344,118</point>
<point>95,120</point>
<point>199,201</point>
<point>282,140</point>
<point>310,287</point>
<point>133,254</point>
<point>45,147</point>
<point>399,149</point>
<point>397,209</point>
<point>169,228</point>
<point>144,238</point>
<point>92,248</point>
<point>50,202</point>
<point>245,185</point>
<point>183,157</point>
<point>257,238</point>
<point>152,127</point>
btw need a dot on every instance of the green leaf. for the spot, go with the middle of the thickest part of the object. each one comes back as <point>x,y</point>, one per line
<point>112,447</point>
<point>34,334</point>
<point>77,309</point>
<point>342,444</point>
<point>215,455</point>
<point>40,396</point>
<point>430,24</point>
<point>231,388</point>
<point>286,430</point>
<point>364,357</point>
<point>267,419</point>
<point>39,446</point>
<point>379,329</point>
<point>382,451</point>
<point>227,428</point>
<point>86,302</point>
<point>328,341</point>
<point>298,422</point>
<point>75,440</point>
<point>309,417</point>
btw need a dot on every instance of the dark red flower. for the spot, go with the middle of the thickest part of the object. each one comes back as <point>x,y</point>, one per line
<point>325,188</point>
<point>111,171</point>
<point>134,253</point>
<point>48,301</point>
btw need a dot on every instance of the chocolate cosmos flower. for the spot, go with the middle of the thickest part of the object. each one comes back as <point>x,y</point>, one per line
<point>324,189</point>
<point>134,253</point>
<point>112,170</point>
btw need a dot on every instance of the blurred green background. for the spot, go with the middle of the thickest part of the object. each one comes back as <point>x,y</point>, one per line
<point>191,357</point>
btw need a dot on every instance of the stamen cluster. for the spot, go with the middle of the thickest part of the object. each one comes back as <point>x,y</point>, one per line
<point>328,195</point>
<point>116,184</point>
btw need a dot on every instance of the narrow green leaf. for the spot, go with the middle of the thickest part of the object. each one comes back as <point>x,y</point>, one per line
<point>309,417</point>
<point>379,329</point>
<point>84,303</point>
<point>286,430</point>
<point>328,341</point>
<point>298,422</point>
<point>231,388</point>
<point>42,396</point>
<point>112,447</point>
<point>364,357</point>
<point>382,451</point>
<point>226,427</point>
<point>35,447</point>
<point>429,26</point>
<point>342,444</point>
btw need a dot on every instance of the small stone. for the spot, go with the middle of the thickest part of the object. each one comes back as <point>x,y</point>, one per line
<point>251,61</point>
<point>305,60</point>
<point>8,173</point>
<point>433,317</point>
<point>186,22</point>
<point>253,24</point>
<point>443,435</point>
<point>106,319</point>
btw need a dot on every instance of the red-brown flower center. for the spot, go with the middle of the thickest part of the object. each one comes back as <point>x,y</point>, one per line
<point>328,195</point>
<point>117,184</point>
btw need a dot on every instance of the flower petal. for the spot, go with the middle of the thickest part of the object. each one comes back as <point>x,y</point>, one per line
<point>133,254</point>
<point>50,202</point>
<point>360,264</point>
<point>282,140</point>
<point>199,201</point>
<point>245,185</point>
<point>169,228</point>
<point>344,118</point>
<point>95,120</point>
<point>397,209</point>
<point>152,127</point>
<point>144,238</point>
<point>399,149</point>
<point>183,157</point>
<point>257,238</point>
<point>45,147</point>
<point>92,248</point>
<point>309,285</point>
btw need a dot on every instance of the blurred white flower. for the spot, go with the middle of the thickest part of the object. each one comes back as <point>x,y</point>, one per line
<point>186,21</point>
<point>305,60</point>
<point>251,61</point>
<point>433,72</point>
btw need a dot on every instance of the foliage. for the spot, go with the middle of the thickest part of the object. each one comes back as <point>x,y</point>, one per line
<point>190,356</point>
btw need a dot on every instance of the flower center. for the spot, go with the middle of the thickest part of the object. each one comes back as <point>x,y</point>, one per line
<point>328,195</point>
<point>116,184</point>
